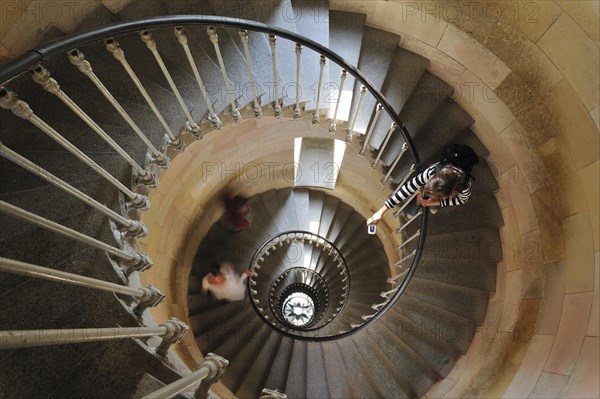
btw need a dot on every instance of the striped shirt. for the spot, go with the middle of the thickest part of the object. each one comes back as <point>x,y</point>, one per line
<point>417,182</point>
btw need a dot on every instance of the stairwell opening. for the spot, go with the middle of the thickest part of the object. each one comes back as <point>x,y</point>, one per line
<point>305,247</point>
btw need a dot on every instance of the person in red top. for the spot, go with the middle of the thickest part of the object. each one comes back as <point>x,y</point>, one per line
<point>237,210</point>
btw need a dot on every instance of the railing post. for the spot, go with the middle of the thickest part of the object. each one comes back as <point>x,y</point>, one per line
<point>316,117</point>
<point>409,221</point>
<point>333,126</point>
<point>391,169</point>
<point>208,372</point>
<point>378,110</point>
<point>297,112</point>
<point>276,105</point>
<point>113,47</point>
<point>256,103</point>
<point>214,38</point>
<point>132,260</point>
<point>147,297</point>
<point>42,76</point>
<point>10,101</point>
<point>399,247</point>
<point>182,39</point>
<point>176,329</point>
<point>151,44</point>
<point>216,365</point>
<point>272,394</point>
<point>78,59</point>
<point>151,297</point>
<point>133,228</point>
<point>363,91</point>
<point>393,127</point>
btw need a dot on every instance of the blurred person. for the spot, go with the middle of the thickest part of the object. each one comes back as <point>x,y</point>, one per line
<point>225,283</point>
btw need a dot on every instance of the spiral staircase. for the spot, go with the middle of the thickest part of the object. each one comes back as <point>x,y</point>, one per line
<point>402,353</point>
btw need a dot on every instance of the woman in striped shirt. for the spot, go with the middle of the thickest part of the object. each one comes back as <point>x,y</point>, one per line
<point>439,185</point>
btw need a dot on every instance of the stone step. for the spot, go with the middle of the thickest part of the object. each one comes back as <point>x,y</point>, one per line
<point>280,14</point>
<point>377,50</point>
<point>243,350</point>
<point>450,120</point>
<point>49,201</point>
<point>295,385</point>
<point>479,274</point>
<point>360,377</point>
<point>278,374</point>
<point>404,72</point>
<point>423,102</point>
<point>288,208</point>
<point>436,353</point>
<point>346,31</point>
<point>316,384</point>
<point>466,302</point>
<point>407,371</point>
<point>305,218</point>
<point>255,379</point>
<point>443,325</point>
<point>312,21</point>
<point>335,375</point>
<point>258,47</point>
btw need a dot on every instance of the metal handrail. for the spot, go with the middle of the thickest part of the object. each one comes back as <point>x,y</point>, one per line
<point>28,60</point>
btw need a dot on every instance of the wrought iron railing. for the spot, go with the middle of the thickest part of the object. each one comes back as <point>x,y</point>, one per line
<point>147,176</point>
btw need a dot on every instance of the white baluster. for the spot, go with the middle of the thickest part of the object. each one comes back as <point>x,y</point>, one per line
<point>276,106</point>
<point>406,203</point>
<point>133,228</point>
<point>77,58</point>
<point>133,261</point>
<point>212,116</point>
<point>272,394</point>
<point>378,110</point>
<point>363,91</point>
<point>391,169</point>
<point>42,76</point>
<point>393,127</point>
<point>418,233</point>
<point>9,100</point>
<point>409,221</point>
<point>316,117</point>
<point>378,306</point>
<point>151,44</point>
<point>333,126</point>
<point>113,47</point>
<point>209,371</point>
<point>401,261</point>
<point>148,297</point>
<point>394,280</point>
<point>297,112</point>
<point>386,294</point>
<point>411,170</point>
<point>214,38</point>
<point>256,104</point>
<point>171,332</point>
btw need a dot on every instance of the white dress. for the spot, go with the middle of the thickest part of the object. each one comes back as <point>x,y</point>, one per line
<point>232,289</point>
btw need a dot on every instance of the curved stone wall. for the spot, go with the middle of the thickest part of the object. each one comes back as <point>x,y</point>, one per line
<point>527,72</point>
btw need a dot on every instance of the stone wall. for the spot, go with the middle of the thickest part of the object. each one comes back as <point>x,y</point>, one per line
<point>528,74</point>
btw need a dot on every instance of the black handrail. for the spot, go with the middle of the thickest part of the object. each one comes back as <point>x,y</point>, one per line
<point>26,61</point>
